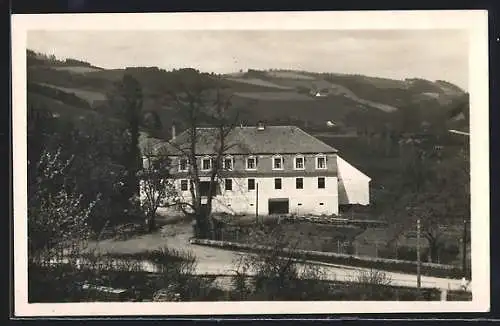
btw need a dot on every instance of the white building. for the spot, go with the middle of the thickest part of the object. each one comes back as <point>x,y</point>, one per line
<point>272,170</point>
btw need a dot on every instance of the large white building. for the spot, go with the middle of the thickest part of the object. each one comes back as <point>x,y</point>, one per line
<point>271,170</point>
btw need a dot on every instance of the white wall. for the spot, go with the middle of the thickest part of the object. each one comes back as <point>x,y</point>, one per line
<point>242,201</point>
<point>354,186</point>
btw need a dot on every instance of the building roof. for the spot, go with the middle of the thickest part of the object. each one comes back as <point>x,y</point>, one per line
<point>252,140</point>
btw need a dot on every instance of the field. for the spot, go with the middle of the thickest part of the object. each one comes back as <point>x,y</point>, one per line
<point>275,96</point>
<point>89,96</point>
<point>77,69</point>
<point>63,110</point>
<point>289,75</point>
<point>258,82</point>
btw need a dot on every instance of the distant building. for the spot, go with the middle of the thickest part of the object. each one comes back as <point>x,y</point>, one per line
<point>272,170</point>
<point>321,94</point>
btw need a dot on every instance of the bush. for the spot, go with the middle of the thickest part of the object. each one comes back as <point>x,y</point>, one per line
<point>278,274</point>
<point>63,283</point>
<point>459,296</point>
<point>175,280</point>
<point>371,284</point>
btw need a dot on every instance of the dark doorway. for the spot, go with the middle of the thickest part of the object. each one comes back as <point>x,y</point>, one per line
<point>278,206</point>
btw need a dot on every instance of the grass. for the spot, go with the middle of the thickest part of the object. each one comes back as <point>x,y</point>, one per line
<point>274,96</point>
<point>289,75</point>
<point>76,69</point>
<point>258,82</point>
<point>64,110</point>
<point>64,284</point>
<point>90,96</point>
<point>347,239</point>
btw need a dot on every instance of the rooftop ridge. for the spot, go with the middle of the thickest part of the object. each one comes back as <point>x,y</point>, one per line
<point>251,139</point>
<point>309,135</point>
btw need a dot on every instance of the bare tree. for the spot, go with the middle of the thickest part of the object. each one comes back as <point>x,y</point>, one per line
<point>156,183</point>
<point>437,192</point>
<point>202,102</point>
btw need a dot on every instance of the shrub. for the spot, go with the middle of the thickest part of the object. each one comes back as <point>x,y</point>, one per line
<point>278,274</point>
<point>371,284</point>
<point>174,281</point>
<point>459,296</point>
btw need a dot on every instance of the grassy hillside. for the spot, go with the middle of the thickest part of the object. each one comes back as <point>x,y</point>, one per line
<point>276,96</point>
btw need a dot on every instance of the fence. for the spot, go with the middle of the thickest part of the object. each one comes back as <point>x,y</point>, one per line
<point>377,249</point>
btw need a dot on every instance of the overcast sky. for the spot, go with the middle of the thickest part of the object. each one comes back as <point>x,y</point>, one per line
<point>431,54</point>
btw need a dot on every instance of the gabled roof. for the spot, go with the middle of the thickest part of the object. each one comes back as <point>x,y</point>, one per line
<point>252,140</point>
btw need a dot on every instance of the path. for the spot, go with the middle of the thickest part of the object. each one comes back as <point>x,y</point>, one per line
<point>218,261</point>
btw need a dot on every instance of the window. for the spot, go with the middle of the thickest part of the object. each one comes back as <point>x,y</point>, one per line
<point>229,184</point>
<point>251,184</point>
<point>228,163</point>
<point>321,162</point>
<point>299,183</point>
<point>206,163</point>
<point>299,163</point>
<point>277,183</point>
<point>184,185</point>
<point>183,164</point>
<point>321,183</point>
<point>277,163</point>
<point>251,163</point>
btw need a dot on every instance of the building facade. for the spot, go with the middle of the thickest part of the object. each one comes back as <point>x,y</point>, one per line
<point>271,170</point>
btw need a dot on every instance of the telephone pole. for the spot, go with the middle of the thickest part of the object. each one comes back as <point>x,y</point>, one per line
<point>418,253</point>
<point>256,202</point>
<point>464,250</point>
<point>464,236</point>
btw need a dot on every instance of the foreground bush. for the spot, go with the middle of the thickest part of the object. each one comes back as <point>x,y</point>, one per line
<point>63,282</point>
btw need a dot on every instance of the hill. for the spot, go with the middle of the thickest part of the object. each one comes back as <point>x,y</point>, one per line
<point>371,116</point>
<point>306,99</point>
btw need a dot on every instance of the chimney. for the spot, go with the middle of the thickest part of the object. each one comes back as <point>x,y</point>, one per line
<point>173,131</point>
<point>260,125</point>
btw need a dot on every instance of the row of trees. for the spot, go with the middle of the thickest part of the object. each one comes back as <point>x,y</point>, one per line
<point>43,59</point>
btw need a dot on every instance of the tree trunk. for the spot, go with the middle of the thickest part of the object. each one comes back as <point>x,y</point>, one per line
<point>433,249</point>
<point>150,223</point>
<point>202,226</point>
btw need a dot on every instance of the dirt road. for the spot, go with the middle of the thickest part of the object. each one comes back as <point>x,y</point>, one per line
<point>222,262</point>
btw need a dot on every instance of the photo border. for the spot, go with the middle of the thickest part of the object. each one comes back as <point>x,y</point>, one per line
<point>475,21</point>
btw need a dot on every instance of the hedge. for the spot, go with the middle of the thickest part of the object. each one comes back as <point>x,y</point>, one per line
<point>393,265</point>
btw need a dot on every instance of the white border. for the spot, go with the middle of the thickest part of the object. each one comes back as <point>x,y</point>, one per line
<point>474,21</point>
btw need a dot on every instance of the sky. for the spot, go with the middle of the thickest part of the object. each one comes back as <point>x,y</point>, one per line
<point>398,54</point>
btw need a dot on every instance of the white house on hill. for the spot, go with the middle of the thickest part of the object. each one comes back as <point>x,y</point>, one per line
<point>271,170</point>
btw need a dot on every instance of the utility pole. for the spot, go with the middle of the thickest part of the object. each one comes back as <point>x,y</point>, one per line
<point>418,253</point>
<point>464,250</point>
<point>464,236</point>
<point>256,202</point>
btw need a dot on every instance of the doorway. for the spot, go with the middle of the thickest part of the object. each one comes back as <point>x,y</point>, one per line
<point>278,206</point>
